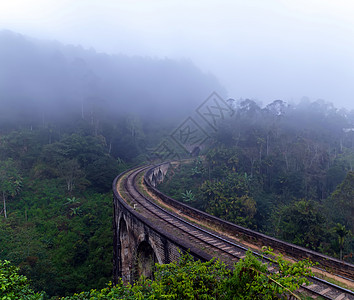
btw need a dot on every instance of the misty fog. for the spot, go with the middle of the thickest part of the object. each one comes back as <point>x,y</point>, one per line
<point>45,80</point>
<point>262,50</point>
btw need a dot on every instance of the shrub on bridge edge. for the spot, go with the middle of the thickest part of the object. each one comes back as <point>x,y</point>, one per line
<point>189,279</point>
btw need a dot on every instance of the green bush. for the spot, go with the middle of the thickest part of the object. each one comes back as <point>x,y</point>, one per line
<point>15,286</point>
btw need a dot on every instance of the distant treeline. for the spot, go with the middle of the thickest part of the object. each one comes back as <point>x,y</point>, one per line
<point>42,82</point>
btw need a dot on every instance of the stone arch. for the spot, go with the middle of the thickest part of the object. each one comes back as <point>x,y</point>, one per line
<point>159,176</point>
<point>145,261</point>
<point>153,179</point>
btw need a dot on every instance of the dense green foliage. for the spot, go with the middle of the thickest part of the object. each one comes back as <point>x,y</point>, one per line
<point>286,171</point>
<point>187,279</point>
<point>63,247</point>
<point>57,228</point>
<point>13,285</point>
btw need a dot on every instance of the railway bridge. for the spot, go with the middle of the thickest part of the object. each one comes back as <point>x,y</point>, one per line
<point>150,227</point>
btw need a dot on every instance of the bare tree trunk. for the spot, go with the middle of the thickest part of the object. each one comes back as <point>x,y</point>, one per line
<point>4,199</point>
<point>286,160</point>
<point>267,144</point>
<point>110,147</point>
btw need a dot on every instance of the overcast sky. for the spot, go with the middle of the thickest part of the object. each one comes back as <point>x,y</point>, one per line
<point>259,49</point>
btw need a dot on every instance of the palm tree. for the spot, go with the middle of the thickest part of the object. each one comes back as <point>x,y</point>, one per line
<point>188,196</point>
<point>71,200</point>
<point>342,233</point>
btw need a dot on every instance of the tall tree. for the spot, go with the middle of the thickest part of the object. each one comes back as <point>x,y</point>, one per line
<point>230,199</point>
<point>302,223</point>
<point>10,181</point>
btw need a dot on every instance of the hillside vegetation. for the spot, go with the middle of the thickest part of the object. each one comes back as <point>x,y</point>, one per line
<point>70,121</point>
<point>283,170</point>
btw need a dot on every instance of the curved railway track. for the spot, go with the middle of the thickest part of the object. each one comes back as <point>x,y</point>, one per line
<point>212,243</point>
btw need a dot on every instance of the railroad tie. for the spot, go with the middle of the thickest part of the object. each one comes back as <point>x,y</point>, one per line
<point>312,286</point>
<point>225,248</point>
<point>218,244</point>
<point>325,291</point>
<point>209,239</point>
<point>340,297</point>
<point>228,248</point>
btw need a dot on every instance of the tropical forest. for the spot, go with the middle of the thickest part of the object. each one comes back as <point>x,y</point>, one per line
<point>72,119</point>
